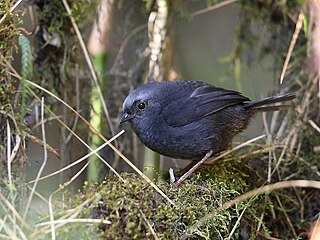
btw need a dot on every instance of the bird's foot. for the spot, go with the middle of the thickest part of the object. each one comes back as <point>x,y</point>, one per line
<point>172,177</point>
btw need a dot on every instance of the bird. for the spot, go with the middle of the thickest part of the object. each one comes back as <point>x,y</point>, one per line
<point>191,119</point>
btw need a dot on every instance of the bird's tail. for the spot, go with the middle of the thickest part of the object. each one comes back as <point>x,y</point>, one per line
<point>260,105</point>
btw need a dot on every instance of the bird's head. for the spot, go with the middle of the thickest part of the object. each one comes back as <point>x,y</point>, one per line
<point>142,106</point>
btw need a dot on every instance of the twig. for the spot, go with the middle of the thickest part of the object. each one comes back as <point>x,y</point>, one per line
<point>315,234</point>
<point>284,150</point>
<point>292,44</point>
<point>40,142</point>
<point>282,127</point>
<point>272,187</point>
<point>260,223</point>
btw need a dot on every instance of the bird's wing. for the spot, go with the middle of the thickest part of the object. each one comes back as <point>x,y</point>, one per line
<point>203,101</point>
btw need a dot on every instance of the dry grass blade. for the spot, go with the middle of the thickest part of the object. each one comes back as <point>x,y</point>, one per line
<point>256,192</point>
<point>90,64</point>
<point>292,44</point>
<point>52,225</point>
<point>149,226</point>
<point>12,209</point>
<point>82,158</point>
<point>69,215</point>
<point>237,223</point>
<point>315,233</point>
<point>75,220</point>
<point>68,106</point>
<point>38,195</point>
<point>11,234</point>
<point>270,140</point>
<point>76,118</point>
<point>82,141</point>
<point>9,157</point>
<point>236,148</point>
<point>113,147</point>
<point>314,125</point>
<point>15,74</point>
<point>287,218</point>
<point>143,176</point>
<point>11,10</point>
<point>214,7</point>
<point>272,187</point>
<point>15,148</point>
<point>45,158</point>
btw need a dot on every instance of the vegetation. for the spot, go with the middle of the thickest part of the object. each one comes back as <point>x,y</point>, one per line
<point>267,189</point>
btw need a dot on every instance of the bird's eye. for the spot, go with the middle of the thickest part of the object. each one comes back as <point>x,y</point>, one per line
<point>142,105</point>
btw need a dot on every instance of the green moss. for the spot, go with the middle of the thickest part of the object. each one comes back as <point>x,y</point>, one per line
<point>9,31</point>
<point>133,205</point>
<point>54,16</point>
<point>9,27</point>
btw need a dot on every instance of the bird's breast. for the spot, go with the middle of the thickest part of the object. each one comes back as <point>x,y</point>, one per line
<point>187,142</point>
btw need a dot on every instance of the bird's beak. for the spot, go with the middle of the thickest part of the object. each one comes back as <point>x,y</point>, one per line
<point>125,117</point>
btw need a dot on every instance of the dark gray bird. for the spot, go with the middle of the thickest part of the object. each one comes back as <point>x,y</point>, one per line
<point>190,119</point>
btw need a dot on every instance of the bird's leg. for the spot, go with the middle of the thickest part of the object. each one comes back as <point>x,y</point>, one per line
<point>172,177</point>
<point>191,170</point>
